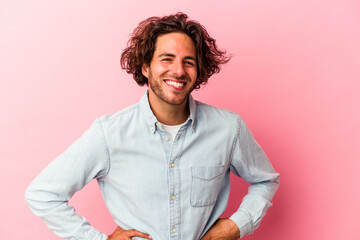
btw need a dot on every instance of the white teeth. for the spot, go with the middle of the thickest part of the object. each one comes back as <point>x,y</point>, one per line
<point>175,84</point>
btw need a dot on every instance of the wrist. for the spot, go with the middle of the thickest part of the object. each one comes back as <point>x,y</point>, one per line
<point>233,229</point>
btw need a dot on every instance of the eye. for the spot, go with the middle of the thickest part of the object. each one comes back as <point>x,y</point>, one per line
<point>189,63</point>
<point>166,59</point>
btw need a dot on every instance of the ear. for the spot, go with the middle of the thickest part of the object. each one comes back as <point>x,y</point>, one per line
<point>145,70</point>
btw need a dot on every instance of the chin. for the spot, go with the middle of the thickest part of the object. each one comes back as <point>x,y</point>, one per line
<point>176,101</point>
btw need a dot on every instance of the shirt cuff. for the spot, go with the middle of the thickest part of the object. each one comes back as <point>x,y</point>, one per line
<point>104,237</point>
<point>97,235</point>
<point>244,222</point>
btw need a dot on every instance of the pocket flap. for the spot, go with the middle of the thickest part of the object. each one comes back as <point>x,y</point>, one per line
<point>207,172</point>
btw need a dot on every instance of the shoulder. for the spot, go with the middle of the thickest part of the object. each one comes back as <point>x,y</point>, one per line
<point>123,113</point>
<point>119,118</point>
<point>210,113</point>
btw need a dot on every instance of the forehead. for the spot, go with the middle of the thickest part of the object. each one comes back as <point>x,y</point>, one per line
<point>178,44</point>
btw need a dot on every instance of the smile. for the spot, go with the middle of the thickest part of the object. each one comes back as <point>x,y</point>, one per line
<point>175,83</point>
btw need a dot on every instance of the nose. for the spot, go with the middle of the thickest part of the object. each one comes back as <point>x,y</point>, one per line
<point>178,69</point>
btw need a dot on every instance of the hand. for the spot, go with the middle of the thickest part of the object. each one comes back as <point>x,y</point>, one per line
<point>121,234</point>
<point>223,229</point>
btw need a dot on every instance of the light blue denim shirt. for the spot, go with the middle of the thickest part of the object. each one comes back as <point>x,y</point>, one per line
<point>168,188</point>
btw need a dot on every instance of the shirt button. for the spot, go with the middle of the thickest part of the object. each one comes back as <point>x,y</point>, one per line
<point>174,230</point>
<point>172,165</point>
<point>152,128</point>
<point>157,124</point>
<point>173,197</point>
<point>167,139</point>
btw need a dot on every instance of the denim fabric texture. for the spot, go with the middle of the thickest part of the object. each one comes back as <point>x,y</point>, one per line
<point>168,188</point>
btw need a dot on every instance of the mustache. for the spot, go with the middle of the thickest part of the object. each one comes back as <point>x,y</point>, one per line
<point>182,77</point>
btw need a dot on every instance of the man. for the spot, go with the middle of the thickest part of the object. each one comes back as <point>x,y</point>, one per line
<point>162,164</point>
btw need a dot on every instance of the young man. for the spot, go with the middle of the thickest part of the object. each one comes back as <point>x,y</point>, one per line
<point>162,164</point>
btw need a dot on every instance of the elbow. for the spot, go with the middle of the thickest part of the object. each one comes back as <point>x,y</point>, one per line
<point>29,197</point>
<point>277,179</point>
<point>34,200</point>
<point>276,182</point>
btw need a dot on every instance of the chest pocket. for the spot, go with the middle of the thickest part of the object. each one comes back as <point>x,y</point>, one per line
<point>205,184</point>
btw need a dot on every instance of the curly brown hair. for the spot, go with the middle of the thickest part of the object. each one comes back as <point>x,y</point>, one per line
<point>141,47</point>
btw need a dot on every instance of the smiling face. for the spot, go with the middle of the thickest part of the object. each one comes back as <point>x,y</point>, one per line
<point>172,72</point>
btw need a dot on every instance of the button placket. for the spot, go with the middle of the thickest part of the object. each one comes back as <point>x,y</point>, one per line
<point>174,182</point>
<point>174,173</point>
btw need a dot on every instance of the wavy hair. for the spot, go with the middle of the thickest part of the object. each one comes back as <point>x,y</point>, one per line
<point>141,46</point>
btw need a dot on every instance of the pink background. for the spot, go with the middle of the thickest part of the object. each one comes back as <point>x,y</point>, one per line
<point>294,78</point>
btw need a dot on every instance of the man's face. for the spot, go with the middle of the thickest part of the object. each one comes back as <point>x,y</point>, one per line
<point>172,72</point>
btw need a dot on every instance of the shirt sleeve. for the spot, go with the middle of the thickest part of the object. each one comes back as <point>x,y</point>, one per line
<point>48,195</point>
<point>251,163</point>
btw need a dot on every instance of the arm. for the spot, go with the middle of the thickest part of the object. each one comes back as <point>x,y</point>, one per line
<point>251,163</point>
<point>223,229</point>
<point>48,195</point>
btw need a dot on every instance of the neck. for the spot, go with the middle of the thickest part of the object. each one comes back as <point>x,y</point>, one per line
<point>167,113</point>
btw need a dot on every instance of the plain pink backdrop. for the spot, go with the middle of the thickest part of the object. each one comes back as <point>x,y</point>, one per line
<point>294,78</point>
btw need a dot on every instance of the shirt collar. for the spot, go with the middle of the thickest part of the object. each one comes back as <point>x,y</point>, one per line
<point>152,121</point>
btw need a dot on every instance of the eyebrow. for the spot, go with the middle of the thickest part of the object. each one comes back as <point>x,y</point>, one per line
<point>172,55</point>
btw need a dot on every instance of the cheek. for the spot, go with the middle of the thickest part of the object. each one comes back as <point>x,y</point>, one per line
<point>193,74</point>
<point>159,72</point>
<point>159,69</point>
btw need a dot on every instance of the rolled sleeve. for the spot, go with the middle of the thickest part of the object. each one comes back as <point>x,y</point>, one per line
<point>48,195</point>
<point>251,163</point>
